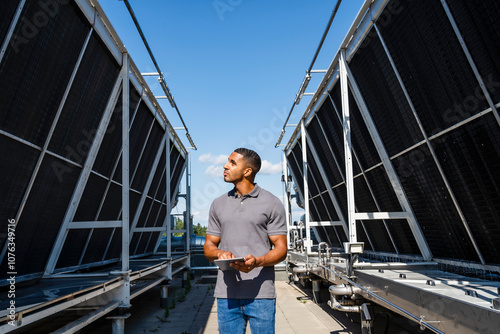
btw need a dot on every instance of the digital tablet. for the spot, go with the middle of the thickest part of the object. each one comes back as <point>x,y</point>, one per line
<point>224,264</point>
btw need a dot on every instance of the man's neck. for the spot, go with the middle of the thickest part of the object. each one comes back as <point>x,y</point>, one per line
<point>243,188</point>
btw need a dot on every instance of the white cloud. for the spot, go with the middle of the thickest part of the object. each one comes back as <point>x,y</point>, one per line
<point>213,159</point>
<point>214,171</point>
<point>269,168</point>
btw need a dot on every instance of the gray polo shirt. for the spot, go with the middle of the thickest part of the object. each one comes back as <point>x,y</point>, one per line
<point>244,224</point>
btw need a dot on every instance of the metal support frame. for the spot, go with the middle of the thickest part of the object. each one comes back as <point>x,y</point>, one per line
<point>49,136</point>
<point>188,224</point>
<point>301,196</point>
<point>346,126</point>
<point>166,222</point>
<point>427,139</point>
<point>84,176</point>
<point>336,205</point>
<point>349,46</point>
<point>286,197</point>
<point>305,172</point>
<point>363,173</point>
<point>125,256</point>
<point>154,199</point>
<point>110,180</point>
<point>146,139</point>
<point>471,61</point>
<point>12,26</point>
<point>389,168</point>
<point>148,184</point>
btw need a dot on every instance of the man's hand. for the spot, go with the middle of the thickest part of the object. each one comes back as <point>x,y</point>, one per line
<point>274,256</point>
<point>247,266</point>
<point>225,255</point>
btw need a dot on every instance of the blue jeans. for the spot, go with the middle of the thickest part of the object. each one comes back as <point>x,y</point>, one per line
<point>233,314</point>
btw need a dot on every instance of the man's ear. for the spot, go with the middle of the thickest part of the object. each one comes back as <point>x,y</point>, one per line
<point>248,171</point>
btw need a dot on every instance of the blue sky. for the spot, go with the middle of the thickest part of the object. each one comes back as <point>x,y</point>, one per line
<point>233,67</point>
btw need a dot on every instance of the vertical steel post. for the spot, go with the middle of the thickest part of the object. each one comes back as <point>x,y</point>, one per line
<point>306,187</point>
<point>188,224</point>
<point>125,183</point>
<point>286,198</point>
<point>169,199</point>
<point>346,125</point>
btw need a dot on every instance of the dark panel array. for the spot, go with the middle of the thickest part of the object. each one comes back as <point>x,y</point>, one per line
<point>446,155</point>
<point>49,122</point>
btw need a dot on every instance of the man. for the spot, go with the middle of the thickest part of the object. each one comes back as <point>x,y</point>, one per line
<point>246,222</point>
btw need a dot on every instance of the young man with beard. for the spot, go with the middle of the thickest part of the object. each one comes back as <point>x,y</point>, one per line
<point>248,222</point>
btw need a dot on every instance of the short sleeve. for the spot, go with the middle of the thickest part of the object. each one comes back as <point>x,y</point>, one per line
<point>214,227</point>
<point>277,221</point>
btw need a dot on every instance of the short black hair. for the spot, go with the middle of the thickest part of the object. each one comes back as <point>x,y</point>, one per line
<point>251,157</point>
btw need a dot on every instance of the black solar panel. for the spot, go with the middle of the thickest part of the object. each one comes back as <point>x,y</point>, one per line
<point>138,134</point>
<point>7,11</point>
<point>433,66</point>
<point>158,178</point>
<point>334,127</point>
<point>145,212</point>
<point>152,242</point>
<point>361,232</point>
<point>153,214</point>
<point>295,163</point>
<point>383,190</point>
<point>112,203</point>
<point>141,249</point>
<point>73,248</point>
<point>85,106</point>
<point>97,245</point>
<point>42,216</point>
<point>33,75</point>
<point>315,183</point>
<point>91,199</point>
<point>147,158</point>
<point>384,96</point>
<point>161,216</point>
<point>470,157</point>
<point>111,144</point>
<point>324,148</point>
<point>402,236</point>
<point>478,24</point>
<point>115,246</point>
<point>453,187</point>
<point>177,168</point>
<point>17,163</point>
<point>341,196</point>
<point>432,205</point>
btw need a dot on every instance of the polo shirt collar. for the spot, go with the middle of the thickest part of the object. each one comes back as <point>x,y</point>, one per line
<point>254,193</point>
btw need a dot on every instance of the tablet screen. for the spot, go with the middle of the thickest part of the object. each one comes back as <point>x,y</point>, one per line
<point>224,263</point>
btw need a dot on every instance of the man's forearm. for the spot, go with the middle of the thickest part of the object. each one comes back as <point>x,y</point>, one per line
<point>212,252</point>
<point>274,256</point>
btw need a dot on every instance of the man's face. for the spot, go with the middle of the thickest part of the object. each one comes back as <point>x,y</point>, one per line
<point>235,168</point>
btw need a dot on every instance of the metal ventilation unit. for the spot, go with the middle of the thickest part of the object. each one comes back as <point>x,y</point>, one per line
<point>396,160</point>
<point>90,167</point>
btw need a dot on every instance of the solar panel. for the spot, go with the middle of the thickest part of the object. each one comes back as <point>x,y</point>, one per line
<point>428,142</point>
<point>62,94</point>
